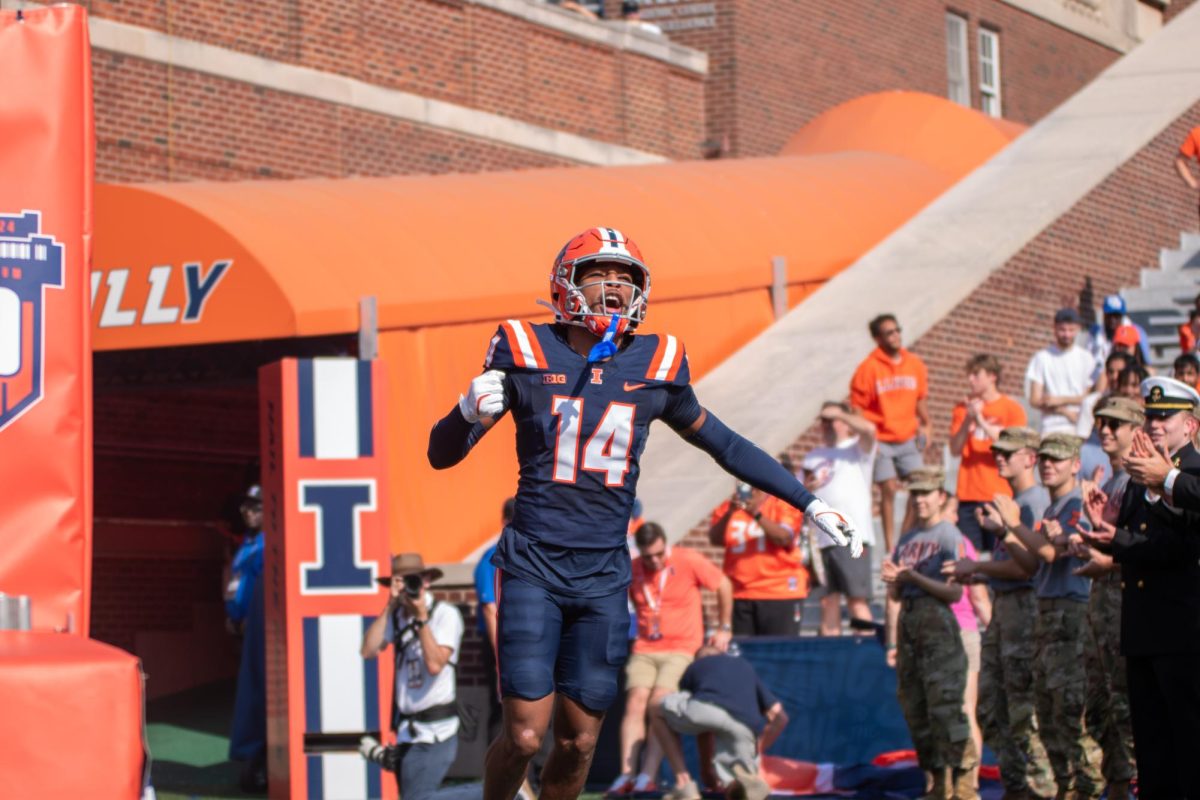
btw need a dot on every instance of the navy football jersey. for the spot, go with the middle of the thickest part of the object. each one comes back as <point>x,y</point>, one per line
<point>580,430</point>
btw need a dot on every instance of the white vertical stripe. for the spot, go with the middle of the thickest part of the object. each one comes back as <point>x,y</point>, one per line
<point>523,343</point>
<point>667,359</point>
<point>342,691</point>
<point>335,407</point>
<point>10,332</point>
<point>344,776</point>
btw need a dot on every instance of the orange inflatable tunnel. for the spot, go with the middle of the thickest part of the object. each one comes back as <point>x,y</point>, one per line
<point>448,257</point>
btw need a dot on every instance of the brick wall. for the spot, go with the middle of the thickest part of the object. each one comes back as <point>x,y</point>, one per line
<point>156,123</point>
<point>774,66</point>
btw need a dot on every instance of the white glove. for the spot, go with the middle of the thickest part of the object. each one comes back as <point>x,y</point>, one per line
<point>836,525</point>
<point>485,398</point>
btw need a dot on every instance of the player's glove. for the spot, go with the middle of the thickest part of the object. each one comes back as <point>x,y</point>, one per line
<point>836,525</point>
<point>485,398</point>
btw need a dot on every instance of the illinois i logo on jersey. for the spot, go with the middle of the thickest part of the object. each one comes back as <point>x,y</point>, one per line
<point>30,261</point>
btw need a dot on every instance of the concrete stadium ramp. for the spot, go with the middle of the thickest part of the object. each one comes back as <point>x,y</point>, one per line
<point>772,388</point>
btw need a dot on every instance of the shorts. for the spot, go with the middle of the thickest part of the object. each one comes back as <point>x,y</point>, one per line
<point>897,459</point>
<point>656,670</point>
<point>846,575</point>
<point>767,617</point>
<point>971,643</point>
<point>553,641</point>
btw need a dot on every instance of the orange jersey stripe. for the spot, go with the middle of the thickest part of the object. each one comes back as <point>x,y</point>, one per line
<point>678,360</point>
<point>514,344</point>
<point>538,356</point>
<point>658,357</point>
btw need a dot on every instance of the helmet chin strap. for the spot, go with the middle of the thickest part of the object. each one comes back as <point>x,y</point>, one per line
<point>605,348</point>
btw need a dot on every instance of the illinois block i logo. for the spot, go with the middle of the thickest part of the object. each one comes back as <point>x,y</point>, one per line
<point>30,262</point>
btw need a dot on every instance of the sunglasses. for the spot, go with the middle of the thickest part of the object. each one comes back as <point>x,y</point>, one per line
<point>1112,424</point>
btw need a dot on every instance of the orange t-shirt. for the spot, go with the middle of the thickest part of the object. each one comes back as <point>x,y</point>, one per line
<point>978,479</point>
<point>672,595</point>
<point>887,393</point>
<point>1191,144</point>
<point>759,568</point>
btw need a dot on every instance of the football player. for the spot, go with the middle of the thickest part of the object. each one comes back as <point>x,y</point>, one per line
<point>583,392</point>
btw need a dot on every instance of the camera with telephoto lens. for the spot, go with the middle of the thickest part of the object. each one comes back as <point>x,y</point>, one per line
<point>414,584</point>
<point>744,492</point>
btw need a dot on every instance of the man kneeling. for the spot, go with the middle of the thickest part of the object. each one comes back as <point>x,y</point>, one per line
<point>734,715</point>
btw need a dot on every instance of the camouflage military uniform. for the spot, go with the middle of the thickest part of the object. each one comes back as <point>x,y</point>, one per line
<point>1006,696</point>
<point>931,677</point>
<point>1108,696</point>
<point>1060,683</point>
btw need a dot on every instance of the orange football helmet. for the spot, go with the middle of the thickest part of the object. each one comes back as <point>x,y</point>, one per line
<point>566,295</point>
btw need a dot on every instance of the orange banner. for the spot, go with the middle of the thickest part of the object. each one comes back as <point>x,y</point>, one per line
<point>47,156</point>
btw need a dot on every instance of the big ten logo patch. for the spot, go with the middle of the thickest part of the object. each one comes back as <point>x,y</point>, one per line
<point>338,507</point>
<point>30,262</point>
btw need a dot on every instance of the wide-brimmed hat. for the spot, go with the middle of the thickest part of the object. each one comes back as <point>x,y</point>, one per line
<point>410,564</point>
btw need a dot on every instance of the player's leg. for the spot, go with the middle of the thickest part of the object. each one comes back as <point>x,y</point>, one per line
<point>593,647</point>
<point>576,729</point>
<point>529,627</point>
<point>525,723</point>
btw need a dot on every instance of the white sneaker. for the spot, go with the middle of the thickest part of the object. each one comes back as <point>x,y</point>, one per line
<point>623,785</point>
<point>688,791</point>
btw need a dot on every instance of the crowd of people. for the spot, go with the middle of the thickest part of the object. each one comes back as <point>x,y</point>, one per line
<point>1038,607</point>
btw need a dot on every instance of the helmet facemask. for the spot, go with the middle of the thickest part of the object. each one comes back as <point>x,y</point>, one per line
<point>577,311</point>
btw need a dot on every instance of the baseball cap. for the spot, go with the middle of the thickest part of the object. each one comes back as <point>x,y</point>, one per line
<point>1126,335</point>
<point>1017,438</point>
<point>1165,396</point>
<point>1066,315</point>
<point>1114,304</point>
<point>1126,409</point>
<point>253,495</point>
<point>926,479</point>
<point>1060,446</point>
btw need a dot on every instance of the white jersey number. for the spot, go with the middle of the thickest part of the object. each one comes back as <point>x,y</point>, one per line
<point>608,448</point>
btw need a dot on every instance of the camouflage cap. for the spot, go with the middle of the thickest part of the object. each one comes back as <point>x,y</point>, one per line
<point>926,479</point>
<point>1060,446</point>
<point>1126,409</point>
<point>1017,438</point>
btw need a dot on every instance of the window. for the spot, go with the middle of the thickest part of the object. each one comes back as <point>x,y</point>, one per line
<point>957,81</point>
<point>989,72</point>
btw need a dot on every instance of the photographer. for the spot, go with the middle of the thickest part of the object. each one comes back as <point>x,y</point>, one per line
<point>427,634</point>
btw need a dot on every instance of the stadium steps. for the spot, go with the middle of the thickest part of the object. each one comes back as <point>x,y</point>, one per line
<point>956,243</point>
<point>1166,294</point>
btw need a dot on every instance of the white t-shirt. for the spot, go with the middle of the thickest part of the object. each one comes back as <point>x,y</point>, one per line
<point>416,689</point>
<point>1060,372</point>
<point>843,480</point>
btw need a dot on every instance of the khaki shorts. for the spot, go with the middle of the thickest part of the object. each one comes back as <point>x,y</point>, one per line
<point>971,640</point>
<point>656,670</point>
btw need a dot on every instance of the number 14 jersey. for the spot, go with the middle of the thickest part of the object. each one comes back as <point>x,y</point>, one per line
<point>580,430</point>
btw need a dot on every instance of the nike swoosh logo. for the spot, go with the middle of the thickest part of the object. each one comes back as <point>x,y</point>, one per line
<point>629,387</point>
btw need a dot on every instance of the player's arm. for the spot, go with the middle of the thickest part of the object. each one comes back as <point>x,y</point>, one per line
<point>743,459</point>
<point>456,433</point>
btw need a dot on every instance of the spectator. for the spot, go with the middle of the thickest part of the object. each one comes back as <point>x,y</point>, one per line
<point>1006,698</point>
<point>974,425</point>
<point>427,635</point>
<point>1188,150</point>
<point>924,643</point>
<point>764,561</point>
<point>890,388</point>
<point>244,607</point>
<point>1091,454</point>
<point>1187,369</point>
<point>1129,382</point>
<point>1127,340</point>
<point>485,615</point>
<point>1102,333</point>
<point>1108,689</point>
<point>631,12</point>
<point>736,717</point>
<point>1189,330</point>
<point>666,595</point>
<point>1060,375</point>
<point>973,609</point>
<point>592,9</point>
<point>841,468</point>
<point>1060,680</point>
